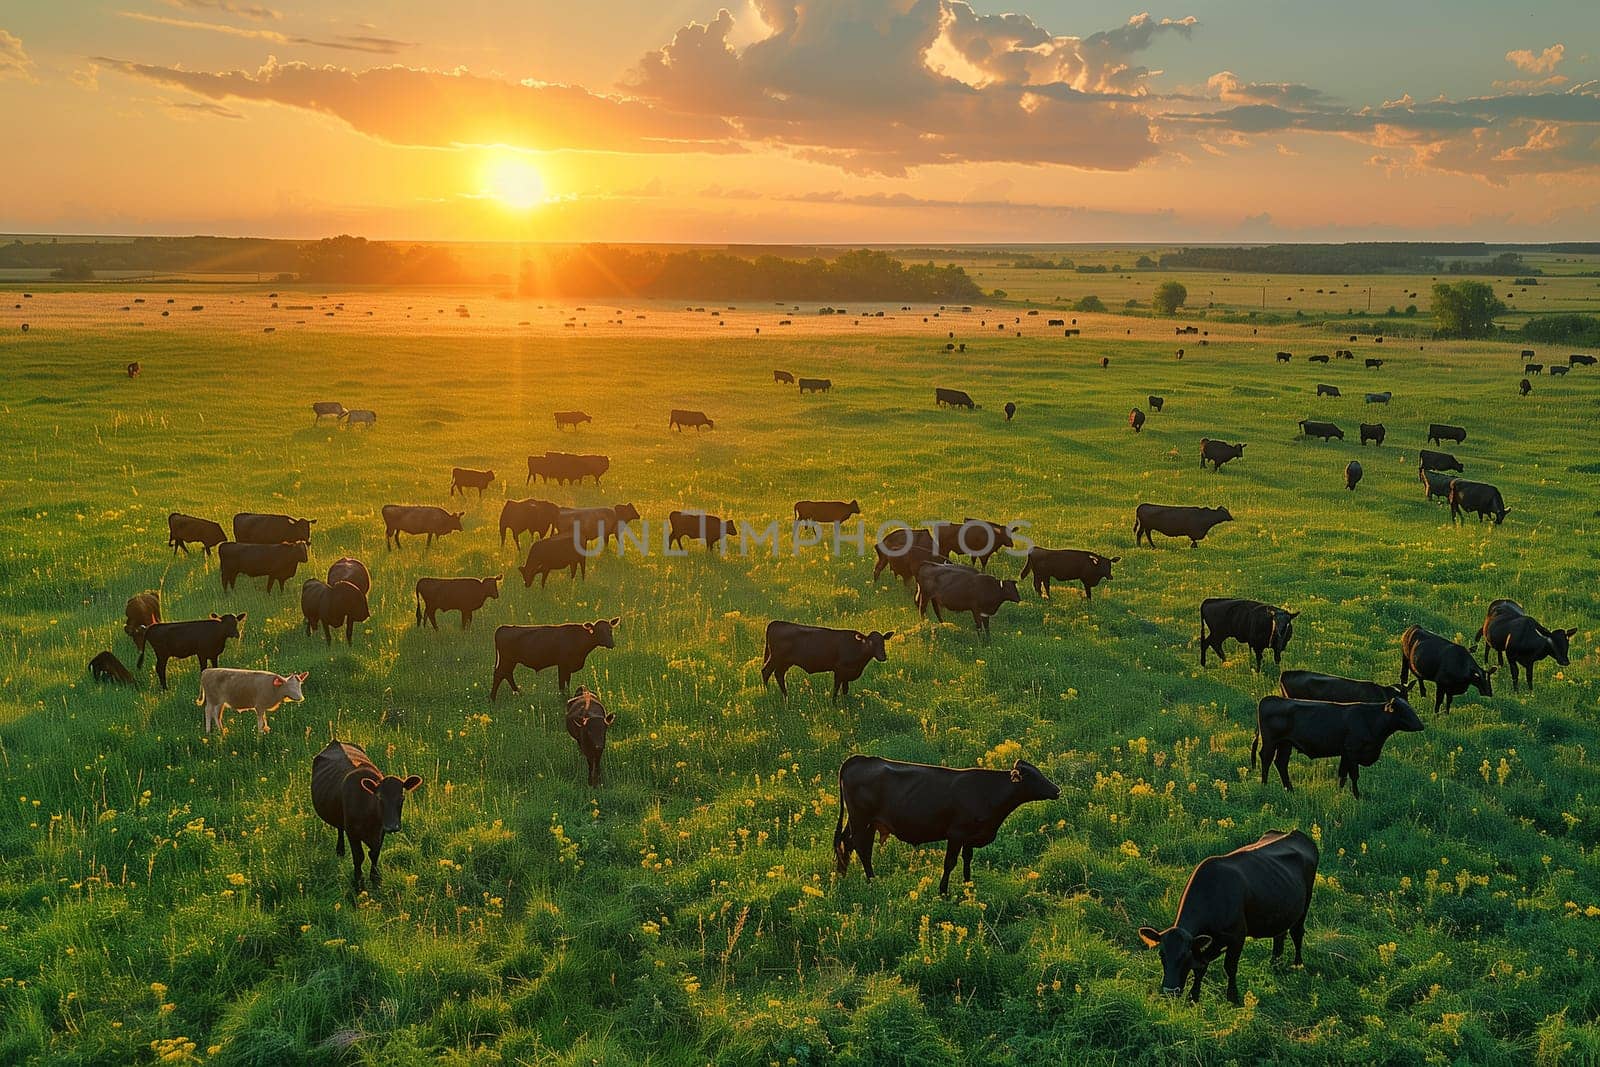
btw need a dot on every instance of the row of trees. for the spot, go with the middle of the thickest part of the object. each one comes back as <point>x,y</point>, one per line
<point>358,260</point>
<point>1355,258</point>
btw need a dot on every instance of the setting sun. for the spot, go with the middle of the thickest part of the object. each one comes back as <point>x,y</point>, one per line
<point>514,182</point>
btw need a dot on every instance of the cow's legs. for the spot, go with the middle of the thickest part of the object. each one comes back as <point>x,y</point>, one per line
<point>863,847</point>
<point>1281,757</point>
<point>1298,932</point>
<point>1199,975</point>
<point>966,864</point>
<point>1277,945</point>
<point>1088,591</point>
<point>355,862</point>
<point>951,852</point>
<point>372,861</point>
<point>466,618</point>
<point>1355,780</point>
<point>338,847</point>
<point>1230,964</point>
<point>563,678</point>
<point>161,669</point>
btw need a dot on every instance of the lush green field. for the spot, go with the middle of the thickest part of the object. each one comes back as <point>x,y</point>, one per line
<point>162,895</point>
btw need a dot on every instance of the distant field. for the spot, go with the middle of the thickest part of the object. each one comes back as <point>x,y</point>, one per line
<point>157,889</point>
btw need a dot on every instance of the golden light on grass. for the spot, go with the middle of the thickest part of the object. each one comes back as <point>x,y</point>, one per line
<point>514,181</point>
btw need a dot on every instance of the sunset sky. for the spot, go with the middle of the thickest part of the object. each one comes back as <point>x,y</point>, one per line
<point>803,120</point>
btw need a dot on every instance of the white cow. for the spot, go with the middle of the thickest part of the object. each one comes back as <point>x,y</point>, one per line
<point>241,690</point>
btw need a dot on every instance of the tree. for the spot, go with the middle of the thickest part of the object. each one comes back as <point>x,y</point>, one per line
<point>1090,303</point>
<point>1145,263</point>
<point>1465,309</point>
<point>1168,298</point>
<point>78,270</point>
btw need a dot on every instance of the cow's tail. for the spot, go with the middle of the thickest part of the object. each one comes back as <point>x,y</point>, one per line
<point>1256,743</point>
<point>419,609</point>
<point>840,852</point>
<point>1027,568</point>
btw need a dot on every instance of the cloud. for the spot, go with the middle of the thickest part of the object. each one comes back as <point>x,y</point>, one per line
<point>204,107</point>
<point>409,106</point>
<point>87,79</point>
<point>1229,87</point>
<point>1537,63</point>
<point>232,7</point>
<point>359,43</point>
<point>14,61</point>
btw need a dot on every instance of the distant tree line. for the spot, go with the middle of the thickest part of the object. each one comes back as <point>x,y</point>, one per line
<point>1464,257</point>
<point>356,259</point>
<point>223,255</point>
<point>1565,329</point>
<point>602,270</point>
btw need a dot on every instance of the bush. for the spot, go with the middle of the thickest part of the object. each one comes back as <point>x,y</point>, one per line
<point>1465,309</point>
<point>77,271</point>
<point>1090,303</point>
<point>1570,328</point>
<point>1168,298</point>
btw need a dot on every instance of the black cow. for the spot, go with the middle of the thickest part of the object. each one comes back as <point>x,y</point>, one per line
<point>697,526</point>
<point>904,551</point>
<point>1429,460</point>
<point>1533,368</point>
<point>976,539</point>
<point>552,554</point>
<point>260,529</point>
<point>1323,358</point>
<point>1528,353</point>
<point>106,667</point>
<point>276,563</point>
<point>1437,485</point>
<point>351,795</point>
<point>1374,432</point>
<point>1446,664</point>
<point>587,723</point>
<point>1136,420</point>
<point>1374,363</point>
<point>1260,890</point>
<point>1524,387</point>
<point>1352,474</point>
<point>530,516</point>
<point>465,595</point>
<point>920,804</point>
<point>825,511</point>
<point>332,606</point>
<point>962,589</point>
<point>1439,433</point>
<point>1010,410</point>
<point>182,530</point>
<point>815,385</point>
<point>1176,520</point>
<point>1250,622</point>
<point>783,377</point>
<point>1353,732</point>
<point>952,398</point>
<point>417,519</point>
<point>203,639</point>
<point>1576,360</point>
<point>1558,371</point>
<point>1328,390</point>
<point>1156,402</point>
<point>564,647</point>
<point>819,650</point>
<point>1515,635</point>
<point>1284,357</point>
<point>1332,689</point>
<point>682,417</point>
<point>1218,452</point>
<point>1479,497</point>
<point>352,570</point>
<point>1324,430</point>
<point>1067,565</point>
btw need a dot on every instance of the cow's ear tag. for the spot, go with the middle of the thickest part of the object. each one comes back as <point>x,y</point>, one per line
<point>1016,775</point>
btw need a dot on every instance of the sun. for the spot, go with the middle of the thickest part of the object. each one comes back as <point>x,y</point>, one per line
<point>514,182</point>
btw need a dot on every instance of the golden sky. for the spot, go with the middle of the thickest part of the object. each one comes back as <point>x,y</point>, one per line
<point>921,121</point>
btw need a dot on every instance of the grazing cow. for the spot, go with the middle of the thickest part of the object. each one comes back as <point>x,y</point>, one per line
<point>1374,432</point>
<point>1136,420</point>
<point>1556,372</point>
<point>1479,497</point>
<point>1576,360</point>
<point>106,667</point>
<point>681,418</point>
<point>1435,484</point>
<point>1067,565</point>
<point>464,478</point>
<point>552,554</point>
<point>1156,402</point>
<point>1374,363</point>
<point>1528,353</point>
<point>783,377</point>
<point>134,369</point>
<point>361,417</point>
<point>566,467</point>
<point>583,525</point>
<point>183,529</point>
<point>565,419</point>
<point>1218,452</point>
<point>143,610</point>
<point>1439,433</point>
<point>332,605</point>
<point>1105,361</point>
<point>351,795</point>
<point>465,595</point>
<point>1379,398</point>
<point>952,398</point>
<point>564,647</point>
<point>819,650</point>
<point>1176,520</point>
<point>530,516</point>
<point>1517,636</point>
<point>825,511</point>
<point>1332,689</point>
<point>587,723</point>
<point>1323,430</point>
<point>417,520</point>
<point>1260,890</point>
<point>1250,622</point>
<point>1352,474</point>
<point>276,563</point>
<point>976,539</point>
<point>1317,359</point>
<point>203,639</point>
<point>352,570</point>
<point>1284,357</point>
<point>815,385</point>
<point>949,585</point>
<point>1010,410</point>
<point>1354,732</point>
<point>1441,661</point>
<point>258,691</point>
<point>1429,460</point>
<point>253,529</point>
<point>904,551</point>
<point>1328,390</point>
<point>324,408</point>
<point>920,804</point>
<point>1533,368</point>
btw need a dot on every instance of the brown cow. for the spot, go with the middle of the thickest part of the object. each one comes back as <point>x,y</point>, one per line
<point>351,795</point>
<point>276,563</point>
<point>465,595</point>
<point>142,610</point>
<point>681,418</point>
<point>552,554</point>
<point>332,605</point>
<point>464,478</point>
<point>183,529</point>
<point>1067,565</point>
<point>530,516</point>
<point>819,650</point>
<point>587,723</point>
<point>571,419</point>
<point>352,570</point>
<point>564,647</point>
<point>825,511</point>
<point>416,520</point>
<point>949,585</point>
<point>697,526</point>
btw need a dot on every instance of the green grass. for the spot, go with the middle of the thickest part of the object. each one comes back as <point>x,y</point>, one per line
<point>157,889</point>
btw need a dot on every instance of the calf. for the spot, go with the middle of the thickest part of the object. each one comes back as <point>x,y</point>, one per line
<point>1379,398</point>
<point>1156,402</point>
<point>948,585</point>
<point>417,520</point>
<point>1441,661</point>
<point>1136,420</point>
<point>1429,460</point>
<point>1218,452</point>
<point>530,516</point>
<point>106,667</point>
<point>819,650</point>
<point>1374,432</point>
<point>681,418</point>
<point>203,639</point>
<point>1517,636</point>
<point>552,554</point>
<point>351,795</point>
<point>564,647</point>
<point>1352,474</point>
<point>276,563</point>
<point>1332,689</point>
<point>1439,433</point>
<point>325,408</point>
<point>1176,520</point>
<point>1374,363</point>
<point>783,377</point>
<point>142,610</point>
<point>1323,430</point>
<point>1260,890</point>
<point>1354,732</point>
<point>825,511</point>
<point>1479,497</point>
<point>1328,390</point>
<point>697,526</point>
<point>919,804</point>
<point>566,419</point>
<point>251,528</point>
<point>332,605</point>
<point>352,570</point>
<point>587,723</point>
<point>464,478</point>
<point>952,398</point>
<point>242,690</point>
<point>361,417</point>
<point>465,595</point>
<point>1067,565</point>
<point>904,551</point>
<point>182,530</point>
<point>1250,622</point>
<point>815,385</point>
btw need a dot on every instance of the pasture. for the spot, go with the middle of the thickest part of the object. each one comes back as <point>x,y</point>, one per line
<point>168,896</point>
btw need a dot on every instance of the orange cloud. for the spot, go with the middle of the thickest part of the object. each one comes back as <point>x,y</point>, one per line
<point>1537,63</point>
<point>14,61</point>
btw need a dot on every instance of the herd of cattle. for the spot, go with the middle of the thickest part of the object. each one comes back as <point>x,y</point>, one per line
<point>1260,890</point>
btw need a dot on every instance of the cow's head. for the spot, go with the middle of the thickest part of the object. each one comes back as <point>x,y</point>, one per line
<point>352,602</point>
<point>453,520</point>
<point>1500,516</point>
<point>488,476</point>
<point>1401,715</point>
<point>602,631</point>
<point>1221,515</point>
<point>625,512</point>
<point>491,587</point>
<point>303,551</point>
<point>728,528</point>
<point>1008,591</point>
<point>1282,630</point>
<point>232,625</point>
<point>1032,782</point>
<point>1561,645</point>
<point>1181,952</point>
<point>853,509</point>
<point>391,796</point>
<point>873,645</point>
<point>1102,565</point>
<point>286,687</point>
<point>1480,678</point>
